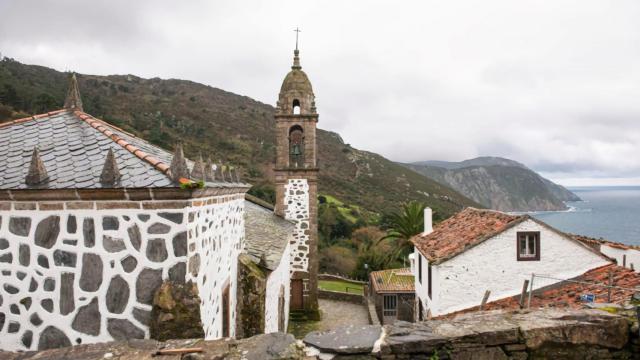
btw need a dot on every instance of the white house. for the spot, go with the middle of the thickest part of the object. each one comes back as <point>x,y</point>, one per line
<point>479,250</point>
<point>627,256</point>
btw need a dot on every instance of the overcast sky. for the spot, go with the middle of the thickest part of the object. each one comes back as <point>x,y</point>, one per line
<point>553,84</point>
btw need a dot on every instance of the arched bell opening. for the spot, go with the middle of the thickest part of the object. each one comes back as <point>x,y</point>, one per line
<point>296,107</point>
<point>296,147</point>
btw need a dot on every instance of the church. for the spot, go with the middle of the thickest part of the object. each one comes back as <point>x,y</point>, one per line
<point>93,221</point>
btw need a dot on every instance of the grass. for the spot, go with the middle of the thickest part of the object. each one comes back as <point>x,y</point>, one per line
<point>341,286</point>
<point>343,208</point>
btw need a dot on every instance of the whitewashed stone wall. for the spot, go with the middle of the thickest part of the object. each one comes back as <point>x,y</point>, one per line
<point>460,283</point>
<point>77,276</point>
<point>633,256</point>
<point>216,238</point>
<point>278,279</point>
<point>297,200</point>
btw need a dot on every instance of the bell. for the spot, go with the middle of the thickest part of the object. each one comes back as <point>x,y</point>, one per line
<point>296,150</point>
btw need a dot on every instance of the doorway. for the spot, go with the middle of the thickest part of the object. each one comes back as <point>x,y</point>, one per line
<point>389,309</point>
<point>296,294</point>
<point>226,316</point>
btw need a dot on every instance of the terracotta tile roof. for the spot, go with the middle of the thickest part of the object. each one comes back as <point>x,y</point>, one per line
<point>595,243</point>
<point>462,231</point>
<point>566,294</point>
<point>392,280</point>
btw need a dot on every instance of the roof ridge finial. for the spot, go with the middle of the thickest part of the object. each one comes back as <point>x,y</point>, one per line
<point>296,53</point>
<point>220,172</point>
<point>37,172</point>
<point>73,100</point>
<point>209,174</point>
<point>199,170</point>
<point>110,172</point>
<point>178,167</point>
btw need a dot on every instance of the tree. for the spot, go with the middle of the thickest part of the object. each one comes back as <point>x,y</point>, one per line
<point>403,226</point>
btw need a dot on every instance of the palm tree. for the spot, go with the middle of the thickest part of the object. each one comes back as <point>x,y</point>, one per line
<point>403,226</point>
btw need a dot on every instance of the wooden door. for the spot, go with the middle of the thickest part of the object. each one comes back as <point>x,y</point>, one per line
<point>226,316</point>
<point>296,295</point>
<point>281,313</point>
<point>389,309</point>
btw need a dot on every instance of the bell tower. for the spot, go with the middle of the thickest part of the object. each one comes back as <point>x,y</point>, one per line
<point>296,175</point>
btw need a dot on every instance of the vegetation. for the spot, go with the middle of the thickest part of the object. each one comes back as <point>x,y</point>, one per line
<point>358,188</point>
<point>403,226</point>
<point>341,286</point>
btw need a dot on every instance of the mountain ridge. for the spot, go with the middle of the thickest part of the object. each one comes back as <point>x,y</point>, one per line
<point>498,183</point>
<point>229,127</point>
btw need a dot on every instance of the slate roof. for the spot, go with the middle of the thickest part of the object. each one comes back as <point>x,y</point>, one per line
<point>266,235</point>
<point>392,281</point>
<point>465,229</point>
<point>73,146</point>
<point>566,294</point>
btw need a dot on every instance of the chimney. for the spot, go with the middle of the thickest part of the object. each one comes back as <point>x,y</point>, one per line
<point>428,221</point>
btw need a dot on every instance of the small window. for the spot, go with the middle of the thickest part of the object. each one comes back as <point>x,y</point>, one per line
<point>390,305</point>
<point>420,268</point>
<point>529,246</point>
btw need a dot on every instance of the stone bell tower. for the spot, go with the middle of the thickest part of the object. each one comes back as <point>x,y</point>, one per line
<point>296,175</point>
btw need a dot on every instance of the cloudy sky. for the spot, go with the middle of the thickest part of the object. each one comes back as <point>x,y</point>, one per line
<point>553,84</point>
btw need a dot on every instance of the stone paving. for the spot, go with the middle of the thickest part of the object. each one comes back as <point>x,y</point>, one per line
<point>338,313</point>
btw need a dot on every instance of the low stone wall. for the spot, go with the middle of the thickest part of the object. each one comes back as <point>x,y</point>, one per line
<point>373,315</point>
<point>340,278</point>
<point>541,334</point>
<point>341,296</point>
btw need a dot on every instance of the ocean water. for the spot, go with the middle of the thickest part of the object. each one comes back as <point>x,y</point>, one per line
<point>612,213</point>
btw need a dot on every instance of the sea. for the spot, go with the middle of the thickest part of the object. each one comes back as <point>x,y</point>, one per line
<point>609,212</point>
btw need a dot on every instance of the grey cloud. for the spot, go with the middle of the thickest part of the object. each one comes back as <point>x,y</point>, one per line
<point>553,84</point>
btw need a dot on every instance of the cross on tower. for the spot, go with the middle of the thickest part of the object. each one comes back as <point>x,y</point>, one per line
<point>297,31</point>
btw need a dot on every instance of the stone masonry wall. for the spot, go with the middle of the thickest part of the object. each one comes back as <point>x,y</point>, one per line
<point>85,272</point>
<point>541,334</point>
<point>297,200</point>
<point>216,238</point>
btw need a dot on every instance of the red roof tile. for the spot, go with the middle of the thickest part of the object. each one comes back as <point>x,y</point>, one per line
<point>462,231</point>
<point>595,243</point>
<point>392,281</point>
<point>566,294</point>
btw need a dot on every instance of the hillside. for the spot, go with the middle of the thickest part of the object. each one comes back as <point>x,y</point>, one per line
<point>498,183</point>
<point>225,126</point>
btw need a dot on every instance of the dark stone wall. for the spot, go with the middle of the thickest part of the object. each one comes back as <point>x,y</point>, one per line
<point>252,290</point>
<point>176,312</point>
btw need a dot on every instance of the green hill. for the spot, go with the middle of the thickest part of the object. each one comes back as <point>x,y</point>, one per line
<point>225,126</point>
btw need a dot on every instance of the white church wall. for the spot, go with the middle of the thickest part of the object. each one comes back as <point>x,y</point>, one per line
<point>216,238</point>
<point>278,279</point>
<point>86,273</point>
<point>296,197</point>
<point>493,265</point>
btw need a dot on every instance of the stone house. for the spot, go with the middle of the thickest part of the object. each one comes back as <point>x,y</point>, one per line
<point>94,219</point>
<point>393,294</point>
<point>479,250</point>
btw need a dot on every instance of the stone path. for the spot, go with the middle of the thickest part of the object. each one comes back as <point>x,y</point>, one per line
<point>338,313</point>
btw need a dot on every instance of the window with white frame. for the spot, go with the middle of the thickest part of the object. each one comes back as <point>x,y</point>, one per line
<point>528,245</point>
